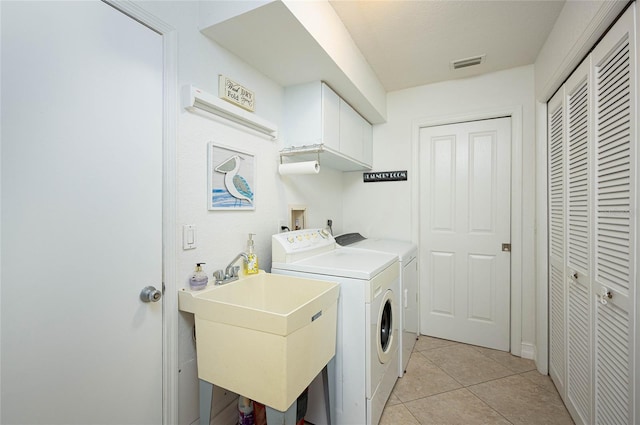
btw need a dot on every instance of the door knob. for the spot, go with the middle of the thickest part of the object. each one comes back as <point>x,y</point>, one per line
<point>150,294</point>
<point>605,294</point>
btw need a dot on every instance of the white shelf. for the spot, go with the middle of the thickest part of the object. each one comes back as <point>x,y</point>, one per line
<point>195,99</point>
<point>326,156</point>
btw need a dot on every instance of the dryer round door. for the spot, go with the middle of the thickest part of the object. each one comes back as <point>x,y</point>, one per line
<point>386,332</point>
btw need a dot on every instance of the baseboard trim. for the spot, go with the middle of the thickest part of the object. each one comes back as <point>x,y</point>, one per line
<point>528,351</point>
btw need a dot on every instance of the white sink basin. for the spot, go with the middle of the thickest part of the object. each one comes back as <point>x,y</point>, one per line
<point>264,336</point>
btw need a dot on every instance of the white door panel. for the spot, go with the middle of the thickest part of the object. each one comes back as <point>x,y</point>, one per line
<point>82,215</point>
<point>615,205</point>
<point>578,156</point>
<point>557,235</point>
<point>465,219</point>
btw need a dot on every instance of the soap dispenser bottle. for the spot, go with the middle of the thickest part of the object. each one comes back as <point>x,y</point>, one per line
<point>252,259</point>
<point>199,279</point>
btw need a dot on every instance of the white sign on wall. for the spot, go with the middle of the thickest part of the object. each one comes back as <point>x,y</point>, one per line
<point>235,93</point>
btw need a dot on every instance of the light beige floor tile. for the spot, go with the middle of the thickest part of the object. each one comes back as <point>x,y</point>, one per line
<point>466,365</point>
<point>396,415</point>
<point>523,402</point>
<point>454,407</point>
<point>539,379</point>
<point>393,400</point>
<point>429,343</point>
<point>524,398</point>
<point>422,379</point>
<point>508,360</point>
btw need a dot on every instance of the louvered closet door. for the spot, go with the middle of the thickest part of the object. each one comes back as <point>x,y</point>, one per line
<point>579,352</point>
<point>615,203</point>
<point>557,274</point>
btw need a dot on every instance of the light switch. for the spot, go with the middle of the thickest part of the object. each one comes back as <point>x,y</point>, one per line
<point>189,236</point>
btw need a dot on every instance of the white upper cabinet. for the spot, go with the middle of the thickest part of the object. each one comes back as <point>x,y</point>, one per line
<point>316,116</point>
<point>367,140</point>
<point>351,132</point>
<point>331,103</point>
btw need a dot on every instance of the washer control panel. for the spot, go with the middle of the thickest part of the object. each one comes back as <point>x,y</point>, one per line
<point>299,244</point>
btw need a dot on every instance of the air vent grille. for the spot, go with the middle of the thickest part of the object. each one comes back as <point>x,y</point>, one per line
<point>467,62</point>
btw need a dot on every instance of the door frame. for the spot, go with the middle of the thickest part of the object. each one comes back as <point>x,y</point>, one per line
<point>517,347</point>
<point>169,202</point>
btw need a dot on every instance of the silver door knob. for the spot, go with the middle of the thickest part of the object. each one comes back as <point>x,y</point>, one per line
<point>150,294</point>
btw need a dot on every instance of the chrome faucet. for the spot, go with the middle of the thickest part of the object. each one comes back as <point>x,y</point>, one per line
<point>230,272</point>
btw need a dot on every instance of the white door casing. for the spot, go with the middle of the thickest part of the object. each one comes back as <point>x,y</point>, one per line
<point>82,165</point>
<point>465,219</point>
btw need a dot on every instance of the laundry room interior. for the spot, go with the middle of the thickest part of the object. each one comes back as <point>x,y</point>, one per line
<point>286,169</point>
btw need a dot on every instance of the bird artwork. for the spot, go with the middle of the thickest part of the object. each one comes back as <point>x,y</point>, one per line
<point>236,185</point>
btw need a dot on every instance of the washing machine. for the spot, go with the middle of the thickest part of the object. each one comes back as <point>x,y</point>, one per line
<point>408,294</point>
<point>367,342</point>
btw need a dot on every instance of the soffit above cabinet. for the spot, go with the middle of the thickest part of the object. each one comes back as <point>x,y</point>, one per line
<point>272,39</point>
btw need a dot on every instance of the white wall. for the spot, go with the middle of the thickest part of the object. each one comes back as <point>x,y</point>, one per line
<point>221,234</point>
<point>578,27</point>
<point>383,209</point>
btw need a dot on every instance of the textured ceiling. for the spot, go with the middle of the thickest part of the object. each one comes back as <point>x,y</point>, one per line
<point>412,43</point>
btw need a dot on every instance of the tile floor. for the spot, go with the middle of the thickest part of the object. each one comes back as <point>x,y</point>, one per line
<point>452,383</point>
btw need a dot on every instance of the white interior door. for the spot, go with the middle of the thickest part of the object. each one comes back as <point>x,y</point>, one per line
<point>578,250</point>
<point>465,209</point>
<point>615,215</point>
<point>557,238</point>
<point>81,215</point>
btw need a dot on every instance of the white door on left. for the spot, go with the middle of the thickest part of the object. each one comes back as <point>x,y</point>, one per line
<point>81,215</point>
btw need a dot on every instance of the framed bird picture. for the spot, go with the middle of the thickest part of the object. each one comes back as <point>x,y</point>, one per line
<point>231,179</point>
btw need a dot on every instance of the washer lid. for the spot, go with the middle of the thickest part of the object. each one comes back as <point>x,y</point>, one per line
<point>343,262</point>
<point>404,250</point>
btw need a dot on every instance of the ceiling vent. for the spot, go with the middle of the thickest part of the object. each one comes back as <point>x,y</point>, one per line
<point>465,63</point>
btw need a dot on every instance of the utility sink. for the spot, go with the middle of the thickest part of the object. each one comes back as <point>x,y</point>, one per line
<point>264,336</point>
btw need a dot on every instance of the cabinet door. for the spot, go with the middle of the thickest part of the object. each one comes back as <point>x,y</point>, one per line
<point>351,124</point>
<point>330,118</point>
<point>579,340</point>
<point>367,141</point>
<point>557,274</point>
<point>615,203</point>
<point>303,114</point>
